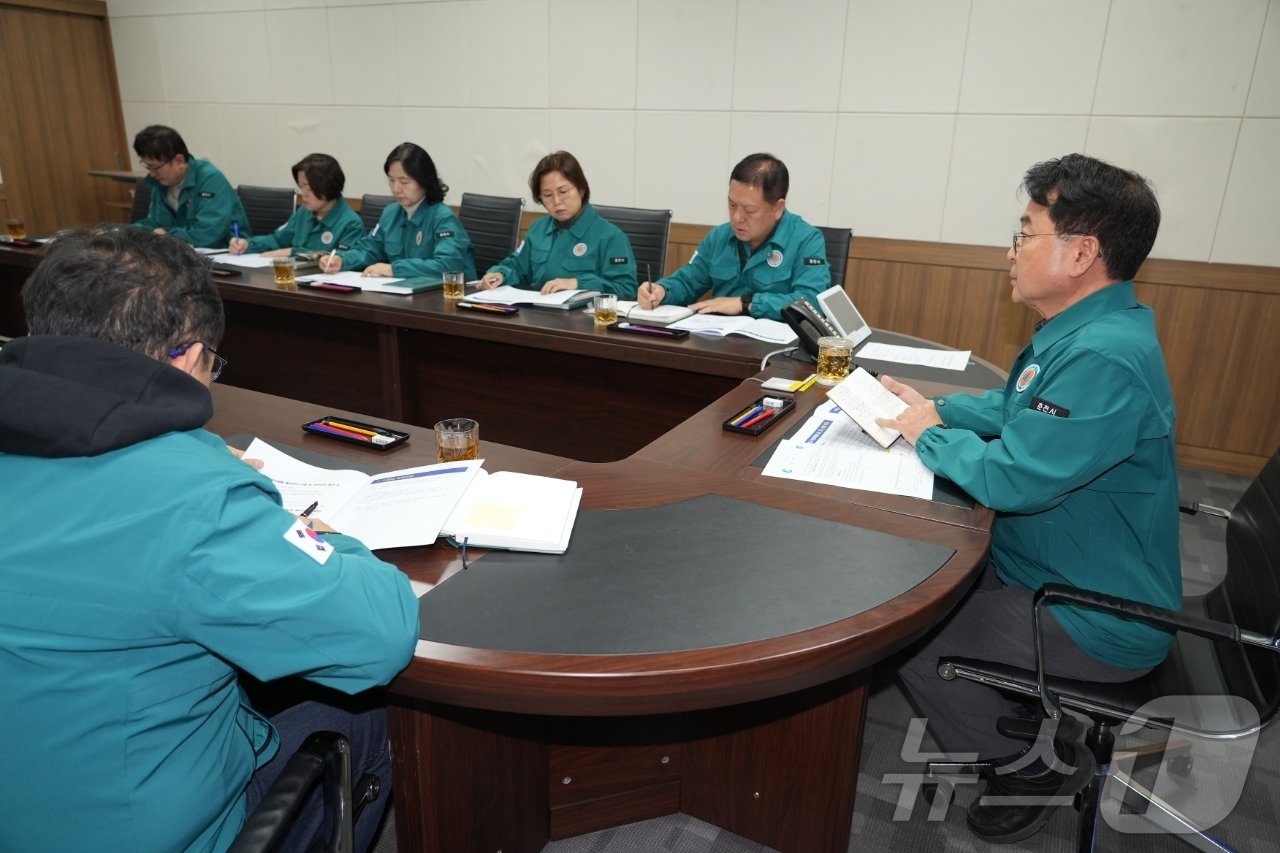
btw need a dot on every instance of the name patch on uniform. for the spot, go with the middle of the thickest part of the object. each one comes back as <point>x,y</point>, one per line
<point>440,235</point>
<point>308,542</point>
<point>617,260</point>
<point>774,259</point>
<point>1049,408</point>
<point>815,262</point>
<point>206,194</point>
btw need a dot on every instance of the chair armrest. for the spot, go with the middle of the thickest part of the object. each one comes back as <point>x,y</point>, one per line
<point>1054,593</point>
<point>324,754</point>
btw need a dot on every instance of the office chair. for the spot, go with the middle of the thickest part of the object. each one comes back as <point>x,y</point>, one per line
<point>267,207</point>
<point>648,230</point>
<point>141,204</point>
<point>325,758</point>
<point>837,240</point>
<point>493,224</point>
<point>1225,646</point>
<point>371,207</point>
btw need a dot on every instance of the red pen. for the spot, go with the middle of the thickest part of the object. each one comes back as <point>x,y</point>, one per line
<point>760,418</point>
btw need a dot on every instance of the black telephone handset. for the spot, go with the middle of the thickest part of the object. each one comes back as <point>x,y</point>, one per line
<point>808,324</point>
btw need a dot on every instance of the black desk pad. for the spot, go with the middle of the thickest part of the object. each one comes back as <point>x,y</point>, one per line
<point>710,571</point>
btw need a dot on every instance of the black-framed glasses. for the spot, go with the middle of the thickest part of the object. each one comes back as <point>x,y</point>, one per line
<point>151,170</point>
<point>1019,236</point>
<point>219,363</point>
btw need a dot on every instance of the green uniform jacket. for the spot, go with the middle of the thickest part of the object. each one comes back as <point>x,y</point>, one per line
<point>207,205</point>
<point>340,229</point>
<point>591,249</point>
<point>1076,455</point>
<point>789,265</point>
<point>432,243</point>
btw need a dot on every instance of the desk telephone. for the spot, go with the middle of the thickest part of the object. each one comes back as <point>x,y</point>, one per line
<point>808,324</point>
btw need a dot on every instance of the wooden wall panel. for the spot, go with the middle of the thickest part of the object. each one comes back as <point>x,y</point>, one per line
<point>56,57</point>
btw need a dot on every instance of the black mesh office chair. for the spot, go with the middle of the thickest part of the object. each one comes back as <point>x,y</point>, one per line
<point>325,759</point>
<point>1226,646</point>
<point>267,207</point>
<point>371,207</point>
<point>141,203</point>
<point>493,224</point>
<point>838,240</point>
<point>648,230</point>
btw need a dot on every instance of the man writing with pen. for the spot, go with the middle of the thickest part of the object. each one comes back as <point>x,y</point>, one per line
<point>762,259</point>
<point>190,198</point>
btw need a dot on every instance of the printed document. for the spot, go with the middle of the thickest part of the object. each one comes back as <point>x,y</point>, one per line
<point>947,359</point>
<point>718,325</point>
<point>863,398</point>
<point>831,449</point>
<point>395,509</point>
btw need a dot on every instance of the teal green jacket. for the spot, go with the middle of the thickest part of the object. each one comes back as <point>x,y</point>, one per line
<point>1076,455</point>
<point>791,264</point>
<point>341,228</point>
<point>591,249</point>
<point>207,206</point>
<point>432,243</point>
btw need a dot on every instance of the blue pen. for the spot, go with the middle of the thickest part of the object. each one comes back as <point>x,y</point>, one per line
<point>746,416</point>
<point>235,229</point>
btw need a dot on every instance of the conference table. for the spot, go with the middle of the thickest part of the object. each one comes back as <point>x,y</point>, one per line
<point>503,748</point>
<point>520,718</point>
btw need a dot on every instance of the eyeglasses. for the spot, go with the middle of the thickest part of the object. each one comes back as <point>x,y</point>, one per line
<point>1019,236</point>
<point>151,170</point>
<point>562,193</point>
<point>219,363</point>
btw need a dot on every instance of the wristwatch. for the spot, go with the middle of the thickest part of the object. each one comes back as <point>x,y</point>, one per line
<point>746,301</point>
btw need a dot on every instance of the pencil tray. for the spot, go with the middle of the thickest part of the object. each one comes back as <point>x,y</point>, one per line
<point>759,426</point>
<point>332,427</point>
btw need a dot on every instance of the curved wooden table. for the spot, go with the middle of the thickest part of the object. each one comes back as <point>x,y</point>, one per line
<point>502,750</point>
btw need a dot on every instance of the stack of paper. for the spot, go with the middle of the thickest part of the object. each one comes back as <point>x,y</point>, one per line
<point>507,295</point>
<point>717,325</point>
<point>518,512</point>
<point>392,510</point>
<point>413,506</point>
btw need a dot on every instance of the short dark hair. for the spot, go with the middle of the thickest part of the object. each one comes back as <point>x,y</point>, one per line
<point>764,172</point>
<point>162,143</point>
<point>567,165</point>
<point>146,292</point>
<point>1085,195</point>
<point>417,164</point>
<point>324,175</point>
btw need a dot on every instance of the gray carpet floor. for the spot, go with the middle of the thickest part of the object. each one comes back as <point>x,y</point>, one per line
<point>1238,791</point>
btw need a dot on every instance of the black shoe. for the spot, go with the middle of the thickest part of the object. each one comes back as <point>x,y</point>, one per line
<point>1014,807</point>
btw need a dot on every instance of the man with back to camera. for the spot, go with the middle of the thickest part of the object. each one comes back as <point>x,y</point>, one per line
<point>763,258</point>
<point>1076,456</point>
<point>190,198</point>
<point>144,566</point>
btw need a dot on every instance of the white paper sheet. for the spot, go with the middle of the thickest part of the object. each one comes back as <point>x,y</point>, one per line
<point>718,325</point>
<point>831,449</point>
<point>508,295</point>
<point>252,262</point>
<point>947,359</point>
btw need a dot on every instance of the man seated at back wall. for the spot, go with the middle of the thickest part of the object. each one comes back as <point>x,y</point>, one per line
<point>190,198</point>
<point>763,258</point>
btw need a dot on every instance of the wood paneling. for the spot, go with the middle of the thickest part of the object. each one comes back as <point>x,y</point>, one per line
<point>56,64</point>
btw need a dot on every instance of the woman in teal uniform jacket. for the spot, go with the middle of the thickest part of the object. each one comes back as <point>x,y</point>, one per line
<point>573,247</point>
<point>417,236</point>
<point>323,221</point>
